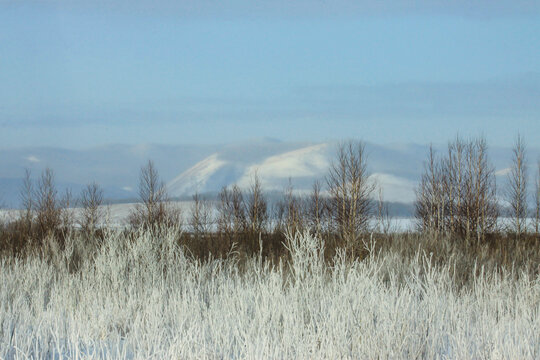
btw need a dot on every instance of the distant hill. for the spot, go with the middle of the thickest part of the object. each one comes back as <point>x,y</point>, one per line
<point>301,166</point>
<point>206,168</point>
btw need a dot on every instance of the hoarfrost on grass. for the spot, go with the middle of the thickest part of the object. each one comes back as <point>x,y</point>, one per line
<point>148,299</point>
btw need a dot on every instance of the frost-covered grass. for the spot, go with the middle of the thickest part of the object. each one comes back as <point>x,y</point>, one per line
<point>148,299</point>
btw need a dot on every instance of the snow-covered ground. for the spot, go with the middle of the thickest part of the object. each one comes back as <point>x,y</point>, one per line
<point>116,216</point>
<point>145,299</point>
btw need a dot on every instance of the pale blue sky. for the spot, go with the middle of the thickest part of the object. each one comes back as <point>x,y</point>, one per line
<point>78,74</point>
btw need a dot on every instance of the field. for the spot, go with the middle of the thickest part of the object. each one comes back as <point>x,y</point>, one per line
<point>144,296</point>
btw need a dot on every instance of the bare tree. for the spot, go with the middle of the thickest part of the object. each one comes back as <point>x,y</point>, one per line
<point>155,209</point>
<point>317,209</point>
<point>455,176</point>
<point>516,192</point>
<point>279,216</point>
<point>384,220</point>
<point>66,203</point>
<point>457,194</point>
<point>350,190</point>
<point>474,205</point>
<point>257,207</point>
<point>92,213</point>
<point>27,201</point>
<point>238,210</point>
<point>294,216</point>
<point>429,205</point>
<point>201,216</point>
<point>537,201</point>
<point>231,216</point>
<point>484,209</point>
<point>225,215</point>
<point>151,191</point>
<point>48,215</point>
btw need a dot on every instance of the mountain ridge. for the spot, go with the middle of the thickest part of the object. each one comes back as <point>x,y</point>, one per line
<point>116,167</point>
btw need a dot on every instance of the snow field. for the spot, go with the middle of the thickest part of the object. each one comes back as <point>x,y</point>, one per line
<point>147,299</point>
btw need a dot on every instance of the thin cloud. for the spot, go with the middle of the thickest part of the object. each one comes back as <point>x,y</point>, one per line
<point>517,98</point>
<point>32,159</point>
<point>511,98</point>
<point>503,172</point>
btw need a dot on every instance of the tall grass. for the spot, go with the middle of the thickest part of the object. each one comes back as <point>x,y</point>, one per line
<point>143,296</point>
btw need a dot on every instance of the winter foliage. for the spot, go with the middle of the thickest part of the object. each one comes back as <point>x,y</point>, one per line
<point>145,297</point>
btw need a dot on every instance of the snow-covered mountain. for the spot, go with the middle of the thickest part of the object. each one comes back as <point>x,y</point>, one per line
<point>226,168</point>
<point>114,167</point>
<point>206,168</point>
<point>207,173</point>
<point>300,166</point>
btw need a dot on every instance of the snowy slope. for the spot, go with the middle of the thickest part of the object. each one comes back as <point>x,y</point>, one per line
<point>197,177</point>
<point>301,166</point>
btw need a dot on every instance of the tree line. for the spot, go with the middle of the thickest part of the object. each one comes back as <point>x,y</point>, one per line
<point>345,208</point>
<point>457,195</point>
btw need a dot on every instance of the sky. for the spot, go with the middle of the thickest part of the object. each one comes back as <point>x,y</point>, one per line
<point>79,74</point>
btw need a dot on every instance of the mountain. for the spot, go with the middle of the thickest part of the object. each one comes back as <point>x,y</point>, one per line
<point>396,168</point>
<point>206,168</point>
<point>115,167</point>
<point>231,167</point>
<point>301,164</point>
